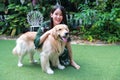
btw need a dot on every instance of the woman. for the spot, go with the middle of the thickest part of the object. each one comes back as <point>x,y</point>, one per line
<point>57,16</point>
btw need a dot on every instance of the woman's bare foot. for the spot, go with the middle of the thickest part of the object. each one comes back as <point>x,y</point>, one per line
<point>75,65</point>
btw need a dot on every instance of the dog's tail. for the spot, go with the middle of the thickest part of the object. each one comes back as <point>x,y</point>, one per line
<point>14,51</point>
<point>18,48</point>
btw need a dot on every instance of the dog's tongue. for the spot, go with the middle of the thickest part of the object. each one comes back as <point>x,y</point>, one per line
<point>64,39</point>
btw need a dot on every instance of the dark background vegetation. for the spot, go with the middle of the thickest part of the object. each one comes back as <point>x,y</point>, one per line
<point>88,19</point>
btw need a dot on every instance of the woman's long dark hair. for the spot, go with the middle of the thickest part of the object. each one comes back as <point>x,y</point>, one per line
<point>57,6</point>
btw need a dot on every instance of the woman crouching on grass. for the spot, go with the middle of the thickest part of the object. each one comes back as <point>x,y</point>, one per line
<point>57,16</point>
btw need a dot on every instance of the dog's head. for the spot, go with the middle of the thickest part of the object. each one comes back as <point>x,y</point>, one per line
<point>61,32</point>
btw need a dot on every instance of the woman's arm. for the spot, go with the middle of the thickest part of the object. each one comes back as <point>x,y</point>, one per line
<point>44,36</point>
<point>41,35</point>
<point>37,38</point>
<point>72,62</point>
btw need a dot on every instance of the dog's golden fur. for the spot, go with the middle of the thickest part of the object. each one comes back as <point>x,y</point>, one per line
<point>52,47</point>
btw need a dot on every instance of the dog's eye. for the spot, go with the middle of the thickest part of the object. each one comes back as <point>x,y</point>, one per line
<point>60,29</point>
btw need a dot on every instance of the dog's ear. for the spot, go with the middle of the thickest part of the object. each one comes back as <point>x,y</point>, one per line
<point>54,33</point>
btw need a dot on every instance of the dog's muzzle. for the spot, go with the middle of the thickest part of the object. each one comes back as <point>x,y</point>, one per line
<point>65,37</point>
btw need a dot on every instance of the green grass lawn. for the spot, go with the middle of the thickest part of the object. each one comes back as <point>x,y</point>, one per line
<point>97,63</point>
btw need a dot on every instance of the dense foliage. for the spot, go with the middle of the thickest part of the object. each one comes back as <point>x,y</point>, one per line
<point>93,19</point>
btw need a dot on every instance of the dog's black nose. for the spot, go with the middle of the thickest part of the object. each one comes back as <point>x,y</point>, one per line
<point>66,34</point>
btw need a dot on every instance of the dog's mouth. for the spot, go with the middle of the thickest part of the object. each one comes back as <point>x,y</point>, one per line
<point>64,38</point>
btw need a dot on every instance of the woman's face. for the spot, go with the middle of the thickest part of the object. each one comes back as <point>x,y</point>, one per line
<point>57,17</point>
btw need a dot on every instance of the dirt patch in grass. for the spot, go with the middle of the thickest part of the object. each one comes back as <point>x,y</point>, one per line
<point>74,40</point>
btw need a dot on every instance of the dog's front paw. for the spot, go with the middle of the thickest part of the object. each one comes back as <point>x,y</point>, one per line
<point>61,67</point>
<point>20,64</point>
<point>49,71</point>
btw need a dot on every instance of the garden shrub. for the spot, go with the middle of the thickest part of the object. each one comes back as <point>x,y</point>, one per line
<point>97,19</point>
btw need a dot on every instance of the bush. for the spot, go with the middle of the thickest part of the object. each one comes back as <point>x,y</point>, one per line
<point>16,20</point>
<point>97,19</point>
<point>99,25</point>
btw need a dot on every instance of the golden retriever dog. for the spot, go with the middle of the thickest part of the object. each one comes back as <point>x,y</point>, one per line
<point>50,51</point>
